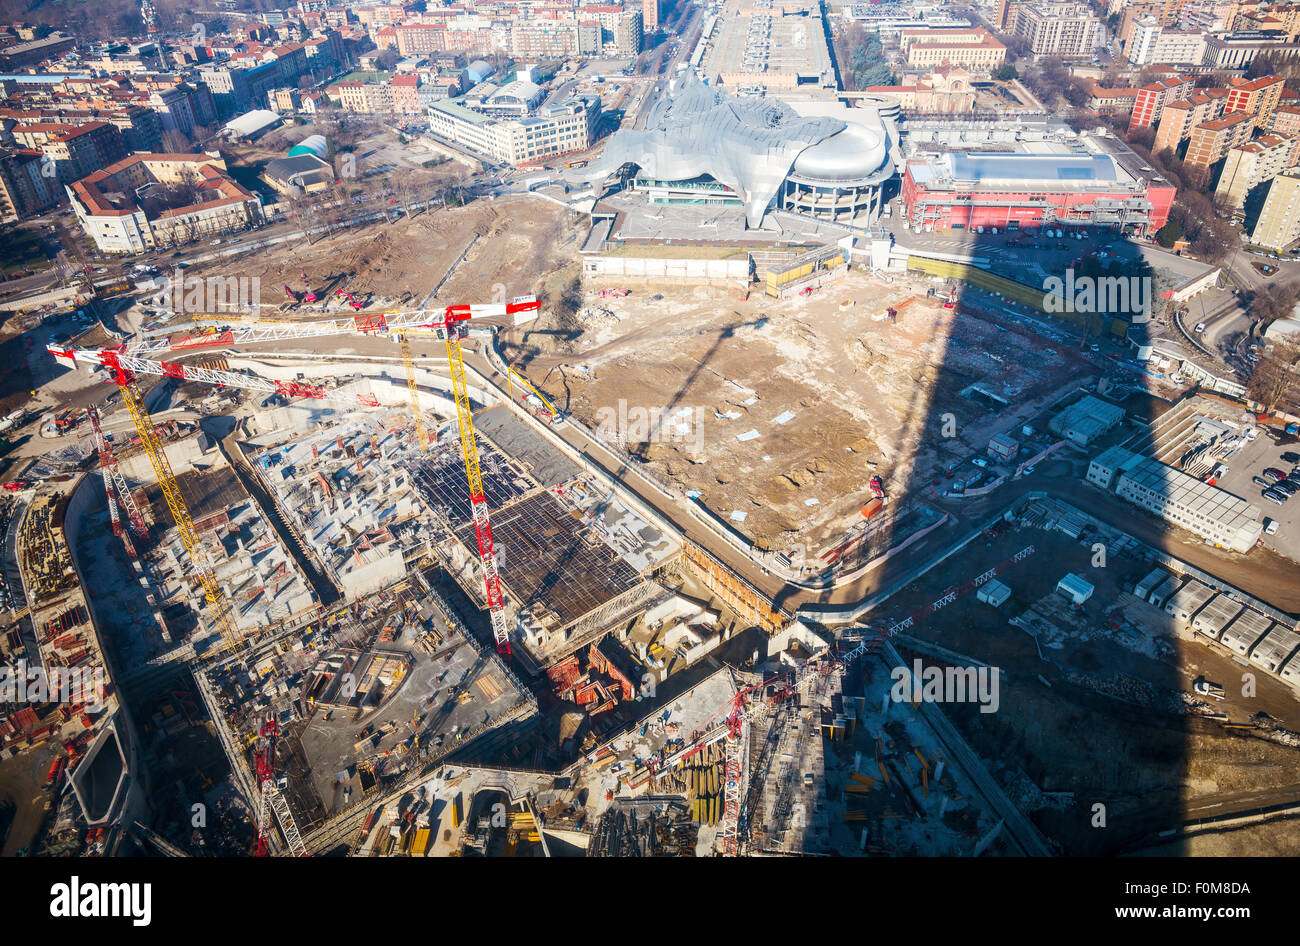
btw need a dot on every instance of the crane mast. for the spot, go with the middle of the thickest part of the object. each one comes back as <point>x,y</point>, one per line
<point>421,431</point>
<point>218,606</point>
<point>113,479</point>
<point>270,800</point>
<point>125,361</point>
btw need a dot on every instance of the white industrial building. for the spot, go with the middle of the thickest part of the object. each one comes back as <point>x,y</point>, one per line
<point>1086,420</point>
<point>1074,588</point>
<point>1214,514</point>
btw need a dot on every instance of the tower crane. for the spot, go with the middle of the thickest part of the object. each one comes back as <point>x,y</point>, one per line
<point>421,432</point>
<point>749,705</point>
<point>270,799</point>
<point>113,479</point>
<point>450,322</point>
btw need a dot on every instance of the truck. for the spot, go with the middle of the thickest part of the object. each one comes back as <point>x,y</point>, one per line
<point>1292,429</point>
<point>1207,688</point>
<point>872,507</point>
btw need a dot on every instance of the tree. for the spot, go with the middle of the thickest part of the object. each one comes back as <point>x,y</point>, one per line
<point>1169,234</point>
<point>1275,382</point>
<point>1005,72</point>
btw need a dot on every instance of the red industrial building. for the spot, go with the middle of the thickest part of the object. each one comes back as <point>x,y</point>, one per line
<point>1017,191</point>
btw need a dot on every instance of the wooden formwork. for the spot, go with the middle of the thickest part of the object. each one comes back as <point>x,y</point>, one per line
<point>733,590</point>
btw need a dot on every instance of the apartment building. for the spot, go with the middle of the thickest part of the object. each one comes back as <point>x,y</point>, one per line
<point>115,209</point>
<point>650,15</point>
<point>1211,141</point>
<point>365,98</point>
<point>1278,224</point>
<point>1067,30</point>
<point>1150,43</point>
<point>1285,120</point>
<point>1179,118</point>
<point>24,190</point>
<point>1153,98</point>
<point>73,151</point>
<point>973,48</point>
<point>1257,97</point>
<point>1254,163</point>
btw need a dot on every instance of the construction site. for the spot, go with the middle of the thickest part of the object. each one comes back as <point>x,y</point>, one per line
<point>795,403</point>
<point>442,552</point>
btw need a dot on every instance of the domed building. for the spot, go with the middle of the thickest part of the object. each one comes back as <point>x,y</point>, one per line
<point>702,146</point>
<point>312,144</point>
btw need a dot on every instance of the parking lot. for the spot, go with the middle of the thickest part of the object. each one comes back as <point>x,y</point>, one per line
<point>1266,451</point>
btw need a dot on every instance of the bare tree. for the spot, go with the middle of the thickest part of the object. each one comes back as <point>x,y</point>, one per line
<point>1276,382</point>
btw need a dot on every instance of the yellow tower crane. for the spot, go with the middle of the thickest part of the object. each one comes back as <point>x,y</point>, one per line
<point>420,430</point>
<point>218,606</point>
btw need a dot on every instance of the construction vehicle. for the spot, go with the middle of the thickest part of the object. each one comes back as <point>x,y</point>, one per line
<point>1207,688</point>
<point>451,323</point>
<point>293,297</point>
<point>270,798</point>
<point>877,487</point>
<point>950,301</point>
<point>16,485</point>
<point>352,300</point>
<point>308,296</point>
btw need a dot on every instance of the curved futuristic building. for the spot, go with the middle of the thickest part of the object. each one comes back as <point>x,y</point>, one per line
<point>704,146</point>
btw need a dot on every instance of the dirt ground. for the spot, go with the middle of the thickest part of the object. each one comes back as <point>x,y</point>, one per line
<point>515,244</point>
<point>1087,713</point>
<point>834,391</point>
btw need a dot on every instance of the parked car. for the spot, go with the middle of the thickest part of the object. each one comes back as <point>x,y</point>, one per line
<point>1287,486</point>
<point>1273,473</point>
<point>1260,481</point>
<point>1200,327</point>
<point>1274,496</point>
<point>1291,457</point>
<point>1270,526</point>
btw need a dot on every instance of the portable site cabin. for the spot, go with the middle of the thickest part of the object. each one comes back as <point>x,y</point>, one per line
<point>1150,583</point>
<point>994,593</point>
<point>1243,634</point>
<point>1216,614</point>
<point>1272,652</point>
<point>1188,600</point>
<point>1165,591</point>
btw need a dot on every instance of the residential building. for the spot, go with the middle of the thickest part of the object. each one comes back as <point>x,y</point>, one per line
<point>1249,165</point>
<point>1210,143</point>
<point>1257,97</point>
<point>1278,224</point>
<point>1066,30</point>
<point>24,190</point>
<point>117,210</point>
<point>1179,118</point>
<point>1153,98</point>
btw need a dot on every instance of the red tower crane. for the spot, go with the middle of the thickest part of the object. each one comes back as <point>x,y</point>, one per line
<point>113,479</point>
<point>270,799</point>
<point>450,322</point>
<point>308,295</point>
